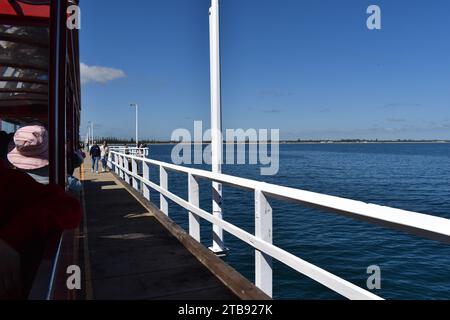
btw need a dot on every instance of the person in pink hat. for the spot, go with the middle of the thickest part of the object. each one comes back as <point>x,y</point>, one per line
<point>30,152</point>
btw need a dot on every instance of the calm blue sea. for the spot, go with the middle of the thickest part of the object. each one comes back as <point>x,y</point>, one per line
<point>408,176</point>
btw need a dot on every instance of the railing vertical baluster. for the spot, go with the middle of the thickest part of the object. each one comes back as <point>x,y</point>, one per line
<point>134,166</point>
<point>122,175</point>
<point>116,160</point>
<point>194,199</point>
<point>108,162</point>
<point>164,184</point>
<point>146,176</point>
<point>127,167</point>
<point>263,230</point>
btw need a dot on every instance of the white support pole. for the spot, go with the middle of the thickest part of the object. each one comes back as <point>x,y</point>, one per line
<point>164,184</point>
<point>146,176</point>
<point>194,199</point>
<point>134,166</point>
<point>263,231</point>
<point>218,245</point>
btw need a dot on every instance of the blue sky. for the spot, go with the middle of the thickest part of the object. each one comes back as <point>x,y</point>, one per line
<point>310,68</point>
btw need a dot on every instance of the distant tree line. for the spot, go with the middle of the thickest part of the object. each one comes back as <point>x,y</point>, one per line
<point>115,140</point>
<point>360,140</point>
<point>122,141</point>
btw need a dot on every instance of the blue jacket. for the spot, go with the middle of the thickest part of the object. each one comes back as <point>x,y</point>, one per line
<point>95,151</point>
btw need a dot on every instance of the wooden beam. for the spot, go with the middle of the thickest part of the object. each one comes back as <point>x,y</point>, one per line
<point>19,65</point>
<point>24,99</point>
<point>7,19</point>
<point>22,39</point>
<point>22,90</point>
<point>24,80</point>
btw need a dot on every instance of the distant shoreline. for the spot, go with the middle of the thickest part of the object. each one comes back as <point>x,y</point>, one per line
<point>308,142</point>
<point>371,142</point>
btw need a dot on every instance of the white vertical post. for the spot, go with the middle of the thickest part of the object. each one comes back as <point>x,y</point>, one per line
<point>110,164</point>
<point>146,176</point>
<point>218,245</point>
<point>194,199</point>
<point>122,176</point>
<point>134,167</point>
<point>263,231</point>
<point>116,160</point>
<point>164,184</point>
<point>127,167</point>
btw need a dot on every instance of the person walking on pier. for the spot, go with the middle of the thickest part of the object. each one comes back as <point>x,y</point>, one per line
<point>95,155</point>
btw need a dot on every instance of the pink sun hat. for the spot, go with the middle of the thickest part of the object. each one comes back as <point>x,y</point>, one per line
<point>31,148</point>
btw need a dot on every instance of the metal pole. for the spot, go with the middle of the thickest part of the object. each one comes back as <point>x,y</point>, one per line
<point>137,124</point>
<point>92,133</point>
<point>218,245</point>
<point>57,92</point>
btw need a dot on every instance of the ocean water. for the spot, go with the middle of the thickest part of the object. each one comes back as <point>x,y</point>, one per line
<point>413,177</point>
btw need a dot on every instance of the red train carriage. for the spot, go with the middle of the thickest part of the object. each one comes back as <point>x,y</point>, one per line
<point>40,83</point>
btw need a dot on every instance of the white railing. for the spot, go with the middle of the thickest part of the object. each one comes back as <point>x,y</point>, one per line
<point>416,223</point>
<point>143,152</point>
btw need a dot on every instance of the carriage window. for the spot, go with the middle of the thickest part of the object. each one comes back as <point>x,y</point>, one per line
<point>24,56</point>
<point>24,74</point>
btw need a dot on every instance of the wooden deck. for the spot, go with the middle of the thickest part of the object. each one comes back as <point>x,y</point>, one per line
<point>132,251</point>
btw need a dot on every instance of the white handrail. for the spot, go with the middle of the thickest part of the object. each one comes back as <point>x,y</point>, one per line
<point>143,152</point>
<point>420,224</point>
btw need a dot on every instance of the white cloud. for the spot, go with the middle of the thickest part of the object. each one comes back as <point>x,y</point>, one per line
<point>99,74</point>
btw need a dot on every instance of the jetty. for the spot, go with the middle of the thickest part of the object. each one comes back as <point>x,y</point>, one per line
<point>133,251</point>
<point>128,247</point>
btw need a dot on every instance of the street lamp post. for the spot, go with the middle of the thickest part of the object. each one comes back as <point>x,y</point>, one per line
<point>137,124</point>
<point>88,135</point>
<point>92,132</point>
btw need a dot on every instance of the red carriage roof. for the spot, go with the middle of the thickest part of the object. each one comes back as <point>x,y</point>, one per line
<point>25,8</point>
